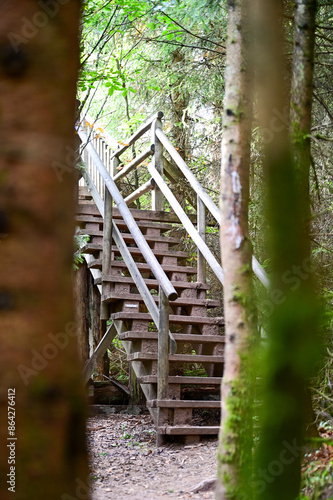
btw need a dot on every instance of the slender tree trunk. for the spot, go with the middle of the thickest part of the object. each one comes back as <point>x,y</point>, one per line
<point>235,447</point>
<point>293,346</point>
<point>301,108</point>
<point>39,366</point>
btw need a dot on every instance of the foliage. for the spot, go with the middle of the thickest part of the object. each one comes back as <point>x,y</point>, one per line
<point>79,241</point>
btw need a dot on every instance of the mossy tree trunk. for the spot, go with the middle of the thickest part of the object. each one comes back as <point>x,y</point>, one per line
<point>301,115</point>
<point>235,446</point>
<point>293,347</point>
<point>39,60</point>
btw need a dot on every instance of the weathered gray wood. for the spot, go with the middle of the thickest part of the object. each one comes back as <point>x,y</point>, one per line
<point>139,282</point>
<point>131,224</point>
<point>186,358</point>
<point>163,346</point>
<point>188,430</point>
<point>183,337</point>
<point>134,163</point>
<point>145,188</point>
<point>141,130</point>
<point>157,162</point>
<point>154,283</point>
<point>99,352</point>
<point>215,266</point>
<point>152,379</point>
<point>107,246</point>
<point>214,210</point>
<point>201,226</point>
<point>173,318</point>
<point>174,403</point>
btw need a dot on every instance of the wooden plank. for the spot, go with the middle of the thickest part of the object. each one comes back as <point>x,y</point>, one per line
<point>174,403</point>
<point>150,238</point>
<point>94,247</point>
<point>154,283</point>
<point>131,224</point>
<point>134,163</point>
<point>189,430</point>
<point>211,260</point>
<point>185,358</point>
<point>183,337</point>
<point>145,188</point>
<point>97,264</point>
<point>152,379</point>
<point>183,301</point>
<point>174,318</point>
<point>157,162</point>
<point>99,352</point>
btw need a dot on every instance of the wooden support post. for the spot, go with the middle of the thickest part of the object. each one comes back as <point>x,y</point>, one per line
<point>163,346</point>
<point>163,355</point>
<point>107,239</point>
<point>201,227</point>
<point>157,161</point>
<point>107,244</point>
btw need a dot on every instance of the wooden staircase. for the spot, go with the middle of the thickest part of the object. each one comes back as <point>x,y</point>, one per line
<point>156,300</point>
<point>199,337</point>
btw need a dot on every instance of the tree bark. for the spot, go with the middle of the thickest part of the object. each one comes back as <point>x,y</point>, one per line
<point>235,446</point>
<point>39,60</point>
<point>301,114</point>
<point>293,348</point>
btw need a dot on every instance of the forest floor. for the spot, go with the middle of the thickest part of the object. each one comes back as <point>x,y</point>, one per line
<point>125,463</point>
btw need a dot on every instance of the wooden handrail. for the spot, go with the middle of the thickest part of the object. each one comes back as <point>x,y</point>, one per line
<point>205,198</point>
<point>179,211</point>
<point>145,249</point>
<point>130,263</point>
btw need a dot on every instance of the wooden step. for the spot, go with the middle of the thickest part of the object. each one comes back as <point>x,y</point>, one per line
<point>184,358</point>
<point>152,283</point>
<point>173,318</point>
<point>174,403</point>
<point>182,380</point>
<point>181,301</point>
<point>181,337</point>
<point>121,224</point>
<point>129,238</point>
<point>97,264</point>
<point>96,247</point>
<point>188,430</point>
<point>138,214</point>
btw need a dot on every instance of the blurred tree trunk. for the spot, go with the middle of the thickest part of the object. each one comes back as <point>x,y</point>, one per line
<point>293,345</point>
<point>235,446</point>
<point>301,115</point>
<point>39,60</point>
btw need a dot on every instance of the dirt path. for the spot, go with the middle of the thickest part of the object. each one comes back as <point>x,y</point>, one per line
<point>127,465</point>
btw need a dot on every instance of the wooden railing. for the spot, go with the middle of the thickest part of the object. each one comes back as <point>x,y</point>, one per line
<point>102,175</point>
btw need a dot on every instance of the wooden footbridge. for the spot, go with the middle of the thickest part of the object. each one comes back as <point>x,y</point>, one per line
<point>151,298</point>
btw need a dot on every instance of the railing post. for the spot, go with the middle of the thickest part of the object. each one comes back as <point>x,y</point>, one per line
<point>107,241</point>
<point>157,161</point>
<point>163,346</point>
<point>201,226</point>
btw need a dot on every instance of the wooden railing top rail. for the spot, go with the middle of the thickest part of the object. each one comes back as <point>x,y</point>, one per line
<point>205,198</point>
<point>145,249</point>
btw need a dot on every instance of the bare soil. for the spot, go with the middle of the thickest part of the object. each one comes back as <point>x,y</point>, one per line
<point>126,464</point>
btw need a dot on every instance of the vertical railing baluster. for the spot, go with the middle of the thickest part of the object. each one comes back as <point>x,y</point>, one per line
<point>163,346</point>
<point>157,161</point>
<point>201,227</point>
